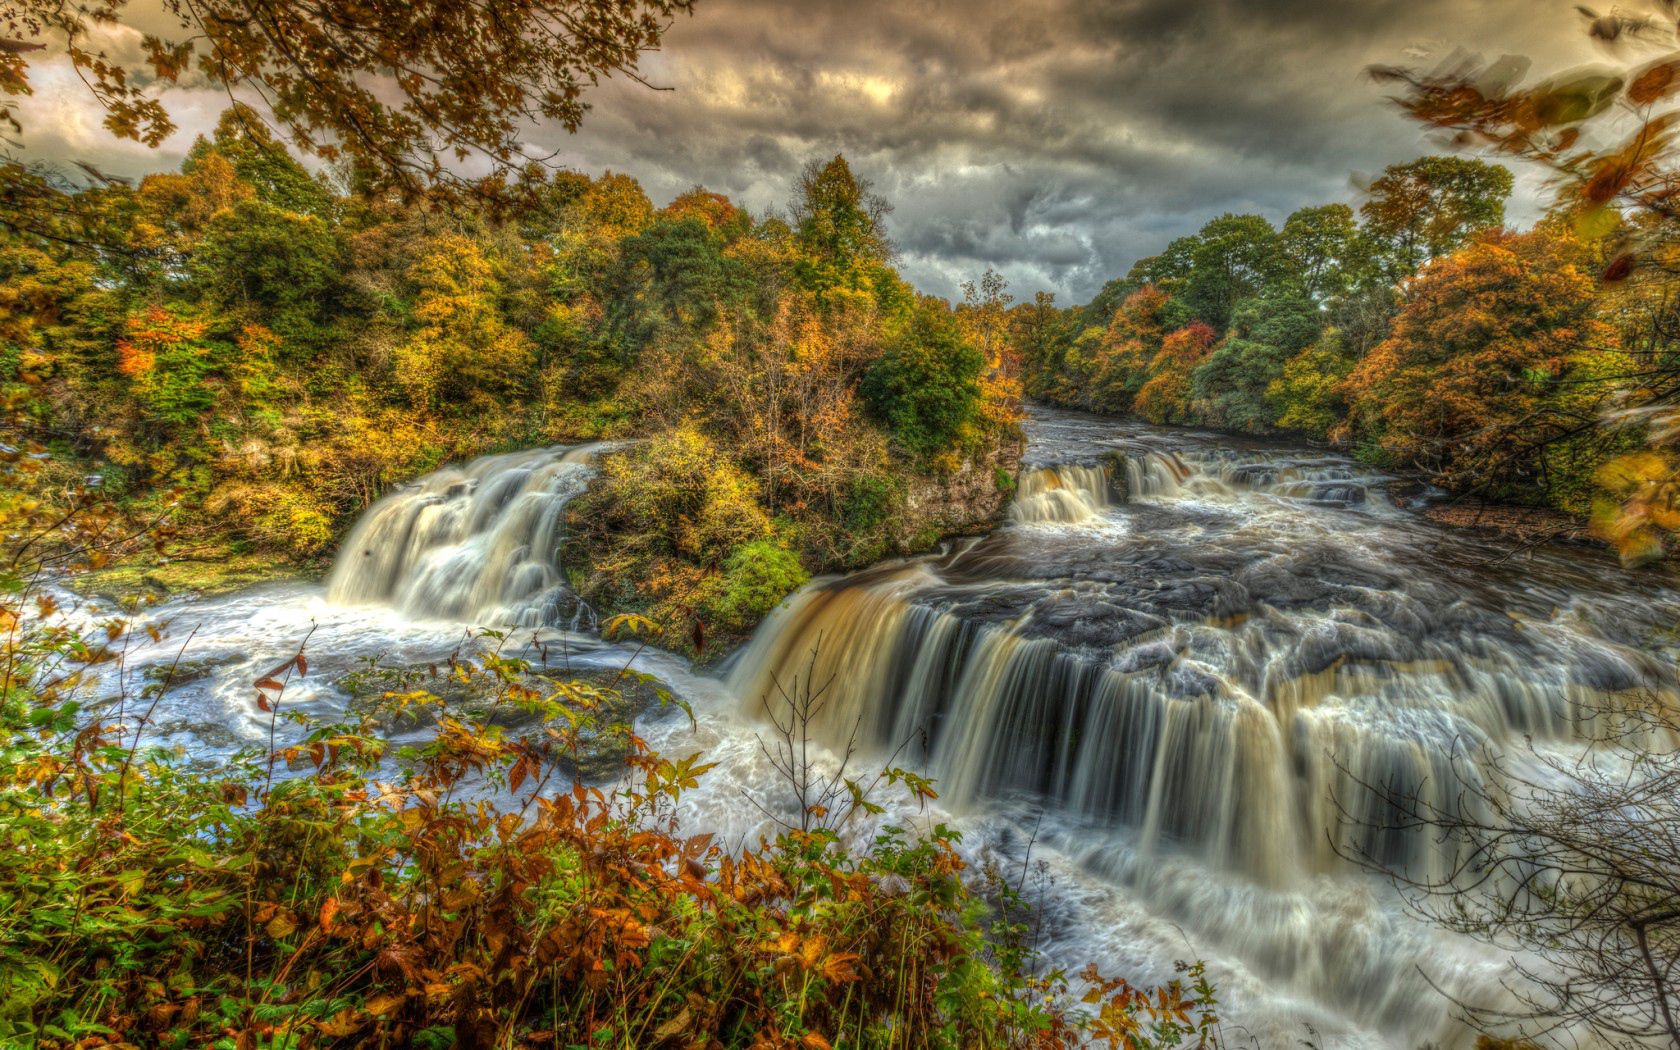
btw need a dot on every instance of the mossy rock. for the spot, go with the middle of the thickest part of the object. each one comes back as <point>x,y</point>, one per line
<point>155,579</point>
<point>1119,478</point>
<point>182,672</point>
<point>603,740</point>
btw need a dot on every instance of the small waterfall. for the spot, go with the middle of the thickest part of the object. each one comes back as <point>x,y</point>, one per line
<point>1155,474</point>
<point>1221,474</point>
<point>476,542</point>
<point>1065,494</point>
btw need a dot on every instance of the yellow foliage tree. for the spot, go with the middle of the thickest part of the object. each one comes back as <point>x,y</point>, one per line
<point>464,353</point>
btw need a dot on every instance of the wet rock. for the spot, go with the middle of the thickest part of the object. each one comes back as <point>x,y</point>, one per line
<point>964,501</point>
<point>609,701</point>
<point>1187,682</point>
<point>1145,657</point>
<point>174,674</point>
<point>1604,671</point>
<point>1119,481</point>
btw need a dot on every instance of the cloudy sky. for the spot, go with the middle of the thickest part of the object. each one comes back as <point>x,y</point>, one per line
<point>1056,140</point>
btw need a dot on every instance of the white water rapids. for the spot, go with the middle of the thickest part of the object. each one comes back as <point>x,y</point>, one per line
<point>1172,670</point>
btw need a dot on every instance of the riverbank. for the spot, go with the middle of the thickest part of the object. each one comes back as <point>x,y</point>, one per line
<point>1527,525</point>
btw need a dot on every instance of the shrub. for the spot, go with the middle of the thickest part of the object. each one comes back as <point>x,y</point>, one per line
<point>655,527</point>
<point>755,578</point>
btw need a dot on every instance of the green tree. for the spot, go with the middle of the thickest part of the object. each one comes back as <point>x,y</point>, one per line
<point>673,275</point>
<point>263,162</point>
<point>1038,332</point>
<point>1234,257</point>
<point>926,386</point>
<point>1232,383</point>
<point>1427,207</point>
<point>1321,247</point>
<point>282,269</point>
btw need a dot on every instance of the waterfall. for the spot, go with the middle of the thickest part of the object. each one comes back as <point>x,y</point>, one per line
<point>1065,494</point>
<point>1168,474</point>
<point>477,542</point>
<point>1261,711</point>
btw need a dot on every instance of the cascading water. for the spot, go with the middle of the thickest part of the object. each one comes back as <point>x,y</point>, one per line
<point>1063,494</point>
<point>1173,679</point>
<point>477,542</point>
<point>1229,675</point>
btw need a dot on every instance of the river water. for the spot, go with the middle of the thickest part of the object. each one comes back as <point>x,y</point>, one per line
<point>1163,689</point>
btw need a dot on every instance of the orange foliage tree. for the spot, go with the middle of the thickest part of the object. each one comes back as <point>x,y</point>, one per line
<point>1476,375</point>
<point>1166,396</point>
<point>1132,340</point>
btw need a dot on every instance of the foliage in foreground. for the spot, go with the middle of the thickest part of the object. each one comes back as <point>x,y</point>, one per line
<point>328,893</point>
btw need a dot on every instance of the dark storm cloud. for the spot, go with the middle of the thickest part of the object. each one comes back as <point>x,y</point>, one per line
<point>1058,141</point>
<point>1055,140</point>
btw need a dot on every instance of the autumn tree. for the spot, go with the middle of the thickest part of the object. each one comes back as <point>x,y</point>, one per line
<point>1476,378</point>
<point>463,352</point>
<point>1168,395</point>
<point>840,223</point>
<point>1309,393</point>
<point>1428,207</point>
<point>399,94</point>
<point>1126,348</point>
<point>984,313</point>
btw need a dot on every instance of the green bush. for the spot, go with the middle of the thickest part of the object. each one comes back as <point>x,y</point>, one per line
<point>755,578</point>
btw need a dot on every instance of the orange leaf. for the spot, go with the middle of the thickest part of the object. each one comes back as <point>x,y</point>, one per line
<point>1656,81</point>
<point>380,1005</point>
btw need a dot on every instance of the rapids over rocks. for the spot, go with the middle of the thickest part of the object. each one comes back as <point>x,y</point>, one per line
<point>1165,686</point>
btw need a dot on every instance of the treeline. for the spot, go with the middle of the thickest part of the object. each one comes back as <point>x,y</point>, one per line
<point>1418,332</point>
<point>258,352</point>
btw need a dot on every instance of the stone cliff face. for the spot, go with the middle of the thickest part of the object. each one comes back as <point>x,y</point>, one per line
<point>965,501</point>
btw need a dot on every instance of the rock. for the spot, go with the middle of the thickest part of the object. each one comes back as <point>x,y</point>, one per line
<point>1119,478</point>
<point>965,501</point>
<point>608,701</point>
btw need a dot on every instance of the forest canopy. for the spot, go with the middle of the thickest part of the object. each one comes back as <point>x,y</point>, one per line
<point>257,352</point>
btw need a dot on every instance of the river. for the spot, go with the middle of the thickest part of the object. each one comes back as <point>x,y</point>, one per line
<point>1161,689</point>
